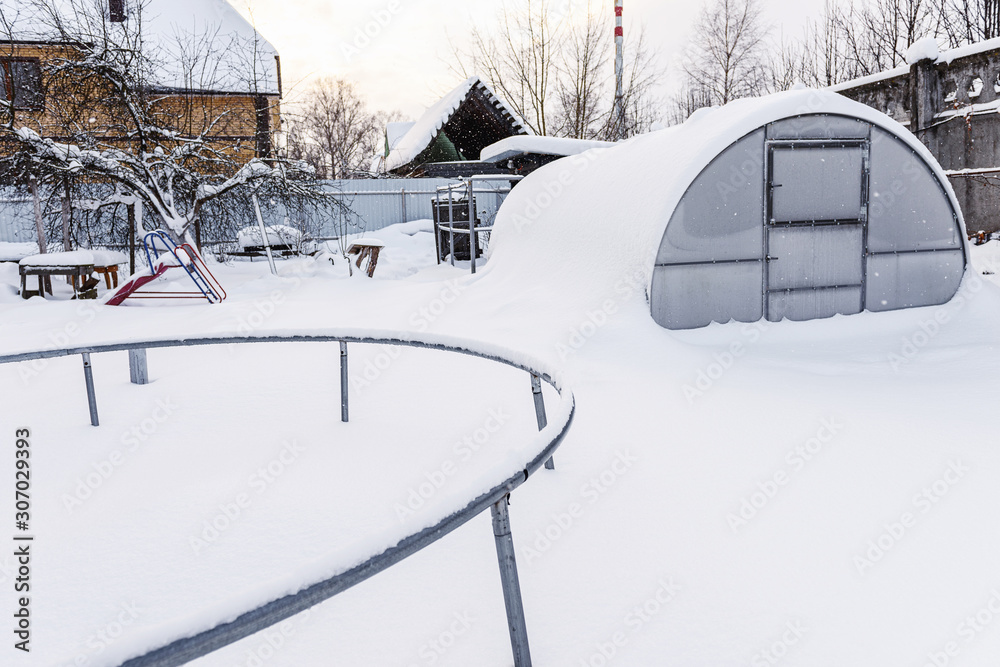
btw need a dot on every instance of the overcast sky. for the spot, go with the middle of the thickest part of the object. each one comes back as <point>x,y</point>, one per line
<point>405,65</point>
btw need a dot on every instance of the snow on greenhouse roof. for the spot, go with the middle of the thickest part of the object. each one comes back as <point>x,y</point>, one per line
<point>423,132</point>
<point>612,205</point>
<point>198,44</point>
<point>519,145</point>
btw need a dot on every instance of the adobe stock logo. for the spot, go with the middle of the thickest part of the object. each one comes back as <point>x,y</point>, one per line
<point>363,36</point>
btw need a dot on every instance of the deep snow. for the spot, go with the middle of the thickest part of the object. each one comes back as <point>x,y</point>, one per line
<point>823,491</point>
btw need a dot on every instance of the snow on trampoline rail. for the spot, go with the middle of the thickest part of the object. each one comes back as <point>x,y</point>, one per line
<point>186,649</point>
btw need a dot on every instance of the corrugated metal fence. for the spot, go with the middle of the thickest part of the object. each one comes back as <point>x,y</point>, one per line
<point>17,220</point>
<point>378,203</point>
<point>373,204</point>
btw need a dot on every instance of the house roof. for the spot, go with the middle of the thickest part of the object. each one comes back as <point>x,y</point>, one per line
<point>200,45</point>
<point>470,117</point>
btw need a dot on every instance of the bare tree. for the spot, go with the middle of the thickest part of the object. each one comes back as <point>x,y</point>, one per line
<point>580,90</point>
<point>684,103</point>
<point>556,69</point>
<point>112,126</point>
<point>875,36</point>
<point>726,54</point>
<point>823,61</point>
<point>519,60</point>
<point>335,131</point>
<point>641,106</point>
<point>970,21</point>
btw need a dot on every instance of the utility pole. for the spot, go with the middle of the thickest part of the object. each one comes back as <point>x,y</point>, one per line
<point>618,113</point>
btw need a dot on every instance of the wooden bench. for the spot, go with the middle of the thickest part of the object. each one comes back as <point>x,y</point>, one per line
<point>366,249</point>
<point>106,264</point>
<point>110,274</point>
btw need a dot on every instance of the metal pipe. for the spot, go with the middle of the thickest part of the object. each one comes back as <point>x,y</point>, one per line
<point>343,382</point>
<point>436,212</point>
<point>451,224</point>
<point>618,115</point>
<point>137,369</point>
<point>472,224</point>
<point>511,587</point>
<point>536,393</point>
<point>88,376</point>
<point>263,235</point>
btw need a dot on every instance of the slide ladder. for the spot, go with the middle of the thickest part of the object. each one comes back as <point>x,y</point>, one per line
<point>162,254</point>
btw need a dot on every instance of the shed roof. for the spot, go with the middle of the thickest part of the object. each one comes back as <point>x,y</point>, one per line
<point>612,205</point>
<point>536,145</point>
<point>471,117</point>
<point>200,44</point>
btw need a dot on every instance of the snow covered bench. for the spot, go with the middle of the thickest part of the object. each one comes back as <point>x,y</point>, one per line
<point>284,241</point>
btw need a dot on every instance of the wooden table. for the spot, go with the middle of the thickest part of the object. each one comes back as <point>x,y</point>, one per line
<point>74,271</point>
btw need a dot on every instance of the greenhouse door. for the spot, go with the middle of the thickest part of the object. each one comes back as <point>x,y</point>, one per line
<point>815,231</point>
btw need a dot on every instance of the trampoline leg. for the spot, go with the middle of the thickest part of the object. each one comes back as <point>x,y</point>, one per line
<point>536,392</point>
<point>511,587</point>
<point>343,382</point>
<point>88,376</point>
<point>137,370</point>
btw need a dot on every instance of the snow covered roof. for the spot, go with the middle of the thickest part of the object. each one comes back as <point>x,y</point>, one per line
<point>922,49</point>
<point>471,116</point>
<point>902,70</point>
<point>611,205</point>
<point>196,44</point>
<point>520,145</point>
<point>396,131</point>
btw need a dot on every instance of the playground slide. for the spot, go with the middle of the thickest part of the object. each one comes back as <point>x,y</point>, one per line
<point>166,257</point>
<point>135,283</point>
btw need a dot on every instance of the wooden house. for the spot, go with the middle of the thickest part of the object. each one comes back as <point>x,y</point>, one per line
<point>210,72</point>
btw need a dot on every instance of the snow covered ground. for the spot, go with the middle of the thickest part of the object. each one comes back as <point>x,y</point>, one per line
<point>817,493</point>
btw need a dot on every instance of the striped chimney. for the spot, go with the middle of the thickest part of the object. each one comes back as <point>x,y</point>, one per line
<point>618,128</point>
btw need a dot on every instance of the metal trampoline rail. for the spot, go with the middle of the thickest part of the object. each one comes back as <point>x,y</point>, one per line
<point>183,650</point>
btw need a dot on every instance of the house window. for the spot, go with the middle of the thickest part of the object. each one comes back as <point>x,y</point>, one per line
<point>117,11</point>
<point>22,80</point>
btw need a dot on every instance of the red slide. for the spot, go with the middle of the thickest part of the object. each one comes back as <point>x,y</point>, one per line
<point>137,282</point>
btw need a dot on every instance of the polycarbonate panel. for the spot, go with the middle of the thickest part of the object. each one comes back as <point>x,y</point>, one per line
<point>816,184</point>
<point>686,297</point>
<point>813,304</point>
<point>818,126</point>
<point>913,279</point>
<point>814,256</point>
<point>721,215</point>
<point>908,208</point>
